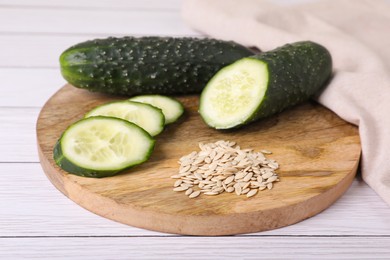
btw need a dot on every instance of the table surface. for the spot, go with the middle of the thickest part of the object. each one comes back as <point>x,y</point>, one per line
<point>39,222</point>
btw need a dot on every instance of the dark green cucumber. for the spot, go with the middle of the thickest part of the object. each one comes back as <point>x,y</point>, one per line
<point>147,65</point>
<point>265,84</point>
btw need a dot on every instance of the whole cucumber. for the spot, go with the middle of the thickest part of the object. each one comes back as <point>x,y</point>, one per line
<point>147,65</point>
<point>264,84</point>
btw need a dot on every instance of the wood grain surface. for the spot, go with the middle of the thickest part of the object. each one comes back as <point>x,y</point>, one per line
<point>318,155</point>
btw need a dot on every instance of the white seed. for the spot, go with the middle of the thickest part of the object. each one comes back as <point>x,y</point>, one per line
<point>194,194</point>
<point>206,187</point>
<point>237,188</point>
<point>230,189</point>
<point>269,186</point>
<point>184,169</point>
<point>218,156</point>
<point>267,175</point>
<point>189,191</point>
<point>218,189</point>
<point>213,166</point>
<point>273,165</point>
<point>210,193</point>
<point>230,169</point>
<point>229,179</point>
<point>177,183</point>
<point>249,168</point>
<point>198,176</point>
<point>225,158</point>
<point>193,168</point>
<point>245,185</point>
<point>245,191</point>
<point>221,177</point>
<point>272,178</point>
<point>180,188</point>
<point>230,184</point>
<point>239,175</point>
<point>224,186</point>
<point>207,160</point>
<point>186,162</point>
<point>251,193</point>
<point>186,185</point>
<point>248,176</point>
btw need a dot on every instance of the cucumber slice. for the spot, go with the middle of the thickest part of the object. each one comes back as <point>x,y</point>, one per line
<point>146,116</point>
<point>171,108</point>
<point>102,146</point>
<point>264,84</point>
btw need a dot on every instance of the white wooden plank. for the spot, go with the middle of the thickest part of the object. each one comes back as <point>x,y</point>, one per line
<point>196,248</point>
<point>30,51</point>
<point>35,208</point>
<point>92,4</point>
<point>92,21</point>
<point>358,212</point>
<point>18,134</point>
<point>25,87</point>
<point>32,206</point>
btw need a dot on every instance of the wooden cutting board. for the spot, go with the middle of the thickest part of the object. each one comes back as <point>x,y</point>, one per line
<point>318,155</point>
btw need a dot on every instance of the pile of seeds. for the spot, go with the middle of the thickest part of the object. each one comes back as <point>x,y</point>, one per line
<point>223,166</point>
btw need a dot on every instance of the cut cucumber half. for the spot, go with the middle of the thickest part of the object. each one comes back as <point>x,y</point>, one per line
<point>102,146</point>
<point>234,94</point>
<point>265,84</point>
<point>171,108</point>
<point>146,116</point>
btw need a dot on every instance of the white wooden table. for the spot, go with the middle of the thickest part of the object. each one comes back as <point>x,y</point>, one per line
<point>38,222</point>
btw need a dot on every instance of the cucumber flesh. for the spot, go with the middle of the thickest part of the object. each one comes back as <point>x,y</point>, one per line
<point>265,84</point>
<point>234,94</point>
<point>171,108</point>
<point>102,146</point>
<point>146,116</point>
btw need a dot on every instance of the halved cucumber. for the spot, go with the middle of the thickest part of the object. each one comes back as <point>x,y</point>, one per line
<point>171,108</point>
<point>146,116</point>
<point>102,146</point>
<point>264,84</point>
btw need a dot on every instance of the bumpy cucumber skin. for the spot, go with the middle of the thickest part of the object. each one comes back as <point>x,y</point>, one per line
<point>296,72</point>
<point>70,167</point>
<point>147,65</point>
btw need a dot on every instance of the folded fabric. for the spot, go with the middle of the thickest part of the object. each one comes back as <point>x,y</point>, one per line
<point>356,32</point>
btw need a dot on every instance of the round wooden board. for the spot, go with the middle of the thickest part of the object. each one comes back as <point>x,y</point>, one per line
<point>318,155</point>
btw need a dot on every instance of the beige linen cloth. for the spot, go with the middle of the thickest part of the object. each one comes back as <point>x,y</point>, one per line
<point>356,32</point>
